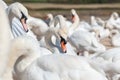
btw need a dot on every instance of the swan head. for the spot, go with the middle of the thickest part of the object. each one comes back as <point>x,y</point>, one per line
<point>113,33</point>
<point>61,32</point>
<point>93,20</point>
<point>63,43</point>
<point>115,15</point>
<point>49,18</point>
<point>19,11</point>
<point>100,21</point>
<point>75,16</point>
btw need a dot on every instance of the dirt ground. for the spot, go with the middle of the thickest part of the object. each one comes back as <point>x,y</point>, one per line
<point>84,11</point>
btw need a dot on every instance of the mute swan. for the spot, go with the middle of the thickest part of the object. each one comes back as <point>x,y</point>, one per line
<point>83,40</point>
<point>54,40</point>
<point>109,62</point>
<point>49,18</point>
<point>99,29</point>
<point>115,38</point>
<point>37,26</point>
<point>16,26</point>
<point>111,22</point>
<point>34,65</point>
<point>3,4</point>
<point>19,11</point>
<point>4,41</point>
<point>52,43</point>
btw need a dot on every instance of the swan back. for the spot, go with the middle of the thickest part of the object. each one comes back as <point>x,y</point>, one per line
<point>24,44</point>
<point>4,39</point>
<point>115,15</point>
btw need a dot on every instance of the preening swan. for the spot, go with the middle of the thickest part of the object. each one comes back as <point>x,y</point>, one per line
<point>19,11</point>
<point>4,40</point>
<point>34,65</point>
<point>37,26</point>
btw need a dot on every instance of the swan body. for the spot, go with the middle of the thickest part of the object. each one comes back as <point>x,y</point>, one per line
<point>111,22</point>
<point>37,26</point>
<point>83,40</point>
<point>4,41</point>
<point>98,27</point>
<point>3,4</point>
<point>86,41</point>
<point>116,39</point>
<point>54,36</point>
<point>33,65</point>
<point>108,61</point>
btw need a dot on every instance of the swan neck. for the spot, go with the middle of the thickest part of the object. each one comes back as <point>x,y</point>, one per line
<point>73,27</point>
<point>25,60</point>
<point>48,40</point>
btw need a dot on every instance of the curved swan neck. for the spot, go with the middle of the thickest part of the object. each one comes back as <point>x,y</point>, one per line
<point>29,50</point>
<point>24,61</point>
<point>58,19</point>
<point>74,25</point>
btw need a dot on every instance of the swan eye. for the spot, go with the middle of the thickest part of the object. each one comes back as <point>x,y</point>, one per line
<point>23,16</point>
<point>63,40</point>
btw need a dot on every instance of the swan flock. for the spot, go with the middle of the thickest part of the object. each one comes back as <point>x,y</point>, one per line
<point>56,48</point>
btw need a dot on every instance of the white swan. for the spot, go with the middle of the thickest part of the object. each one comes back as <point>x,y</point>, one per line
<point>3,4</point>
<point>83,40</point>
<point>115,38</point>
<point>54,38</point>
<point>49,18</point>
<point>19,11</point>
<point>100,31</point>
<point>37,26</point>
<point>109,61</point>
<point>4,41</point>
<point>111,22</point>
<point>18,27</point>
<point>34,65</point>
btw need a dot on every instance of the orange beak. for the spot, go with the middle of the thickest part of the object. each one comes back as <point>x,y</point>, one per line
<point>23,21</point>
<point>73,18</point>
<point>63,46</point>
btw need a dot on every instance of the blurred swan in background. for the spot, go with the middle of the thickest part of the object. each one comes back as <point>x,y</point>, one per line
<point>37,26</point>
<point>83,40</point>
